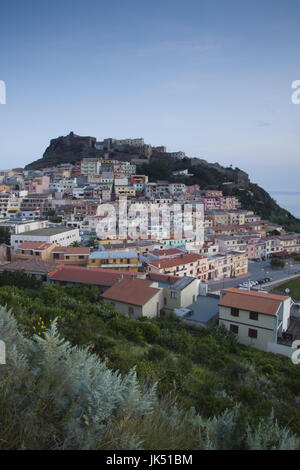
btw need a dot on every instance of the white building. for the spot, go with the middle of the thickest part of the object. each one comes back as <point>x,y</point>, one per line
<point>24,226</point>
<point>90,166</point>
<point>176,188</point>
<point>60,235</point>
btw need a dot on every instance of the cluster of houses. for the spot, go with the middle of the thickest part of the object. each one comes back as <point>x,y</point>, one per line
<point>53,213</point>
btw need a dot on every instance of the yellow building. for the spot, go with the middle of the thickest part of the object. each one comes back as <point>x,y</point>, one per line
<point>128,191</point>
<point>121,260</point>
<point>14,205</point>
<point>236,218</point>
<point>240,264</point>
<point>219,218</point>
<point>4,187</point>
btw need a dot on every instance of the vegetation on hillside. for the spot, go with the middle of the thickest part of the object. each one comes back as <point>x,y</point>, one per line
<point>57,396</point>
<point>251,196</point>
<point>294,287</point>
<point>202,376</point>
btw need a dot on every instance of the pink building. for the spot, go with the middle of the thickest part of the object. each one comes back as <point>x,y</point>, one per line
<point>37,185</point>
<point>211,203</point>
<point>195,188</point>
<point>256,250</point>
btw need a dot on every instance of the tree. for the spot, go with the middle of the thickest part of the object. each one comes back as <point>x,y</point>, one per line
<point>274,232</point>
<point>5,235</point>
<point>277,263</point>
<point>55,219</point>
<point>92,242</point>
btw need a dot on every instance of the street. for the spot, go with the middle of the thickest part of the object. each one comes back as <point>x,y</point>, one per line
<point>257,270</point>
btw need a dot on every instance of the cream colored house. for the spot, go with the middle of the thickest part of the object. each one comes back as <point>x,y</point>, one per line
<point>180,294</point>
<point>135,297</point>
<point>255,317</point>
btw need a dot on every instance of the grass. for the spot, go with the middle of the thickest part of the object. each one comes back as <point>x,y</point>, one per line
<point>294,287</point>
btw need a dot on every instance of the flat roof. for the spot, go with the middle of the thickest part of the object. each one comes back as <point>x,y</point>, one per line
<point>46,232</point>
<point>114,254</point>
<point>204,309</point>
<point>19,222</point>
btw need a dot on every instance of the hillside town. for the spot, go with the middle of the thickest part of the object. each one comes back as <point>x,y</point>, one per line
<point>49,219</point>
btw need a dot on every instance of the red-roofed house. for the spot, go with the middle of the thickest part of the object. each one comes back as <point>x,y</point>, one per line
<point>36,250</point>
<point>136,297</point>
<point>257,318</point>
<point>77,275</point>
<point>187,264</point>
<point>75,255</point>
<point>166,253</point>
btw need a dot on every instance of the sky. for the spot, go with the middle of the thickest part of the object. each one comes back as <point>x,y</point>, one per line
<point>208,77</point>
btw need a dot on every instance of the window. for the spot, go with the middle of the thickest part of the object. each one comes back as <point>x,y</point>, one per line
<point>130,310</point>
<point>234,329</point>
<point>80,257</point>
<point>252,333</point>
<point>253,316</point>
<point>234,312</point>
<point>173,295</point>
<point>56,255</point>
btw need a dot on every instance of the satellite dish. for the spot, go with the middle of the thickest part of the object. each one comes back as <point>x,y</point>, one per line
<point>287,290</point>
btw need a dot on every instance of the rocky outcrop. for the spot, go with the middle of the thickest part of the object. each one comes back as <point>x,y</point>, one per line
<point>68,149</point>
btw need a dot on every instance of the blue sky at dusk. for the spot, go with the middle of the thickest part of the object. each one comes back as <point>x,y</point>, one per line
<point>211,78</point>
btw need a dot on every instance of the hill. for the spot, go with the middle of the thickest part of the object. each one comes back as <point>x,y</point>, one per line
<point>160,166</point>
<point>232,181</point>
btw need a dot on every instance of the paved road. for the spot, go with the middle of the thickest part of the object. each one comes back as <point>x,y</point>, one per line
<point>257,270</point>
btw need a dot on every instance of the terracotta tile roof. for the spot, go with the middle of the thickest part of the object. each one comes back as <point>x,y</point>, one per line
<point>171,252</point>
<point>81,274</point>
<point>39,246</point>
<point>131,291</point>
<point>72,250</point>
<point>260,302</point>
<point>163,277</point>
<point>222,227</point>
<point>30,266</point>
<point>177,261</point>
